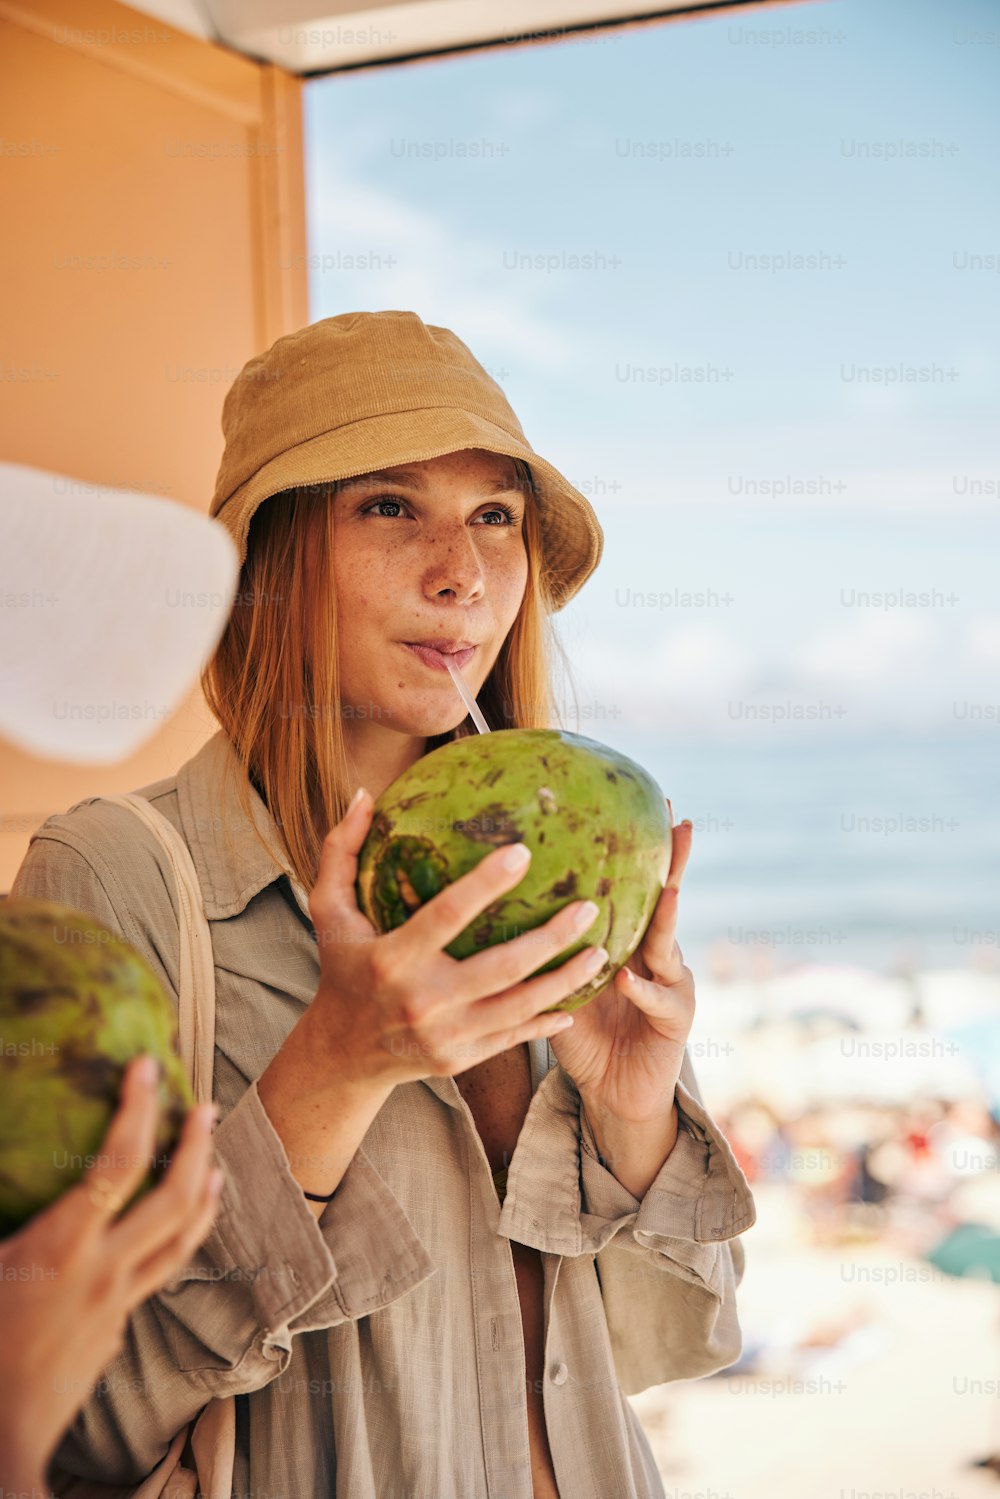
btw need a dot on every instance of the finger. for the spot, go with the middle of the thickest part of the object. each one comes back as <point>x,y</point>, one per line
<point>168,1210</point>
<point>496,969</point>
<point>680,852</point>
<point>126,1153</point>
<point>658,945</point>
<point>663,967</point>
<point>332,900</point>
<point>446,915</point>
<point>161,1266</point>
<point>524,1014</point>
<point>660,953</point>
<point>517,1005</point>
<point>660,957</point>
<point>538,1028</point>
<point>654,998</point>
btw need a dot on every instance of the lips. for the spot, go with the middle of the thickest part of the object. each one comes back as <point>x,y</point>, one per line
<point>445,646</point>
<point>438,659</point>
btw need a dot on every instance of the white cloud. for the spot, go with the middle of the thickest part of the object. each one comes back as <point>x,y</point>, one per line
<point>353,210</point>
<point>497,318</point>
<point>679,677</point>
<point>885,669</point>
<point>870,649</point>
<point>797,481</point>
<point>982,642</point>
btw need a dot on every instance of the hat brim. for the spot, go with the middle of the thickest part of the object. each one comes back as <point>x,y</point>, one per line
<point>572,537</point>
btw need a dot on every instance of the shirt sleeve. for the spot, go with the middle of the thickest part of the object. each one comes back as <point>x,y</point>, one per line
<point>668,1265</point>
<point>699,1198</point>
<point>267,1270</point>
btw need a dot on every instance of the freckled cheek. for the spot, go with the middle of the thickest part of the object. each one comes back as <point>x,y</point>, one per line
<point>356,581</point>
<point>507,586</point>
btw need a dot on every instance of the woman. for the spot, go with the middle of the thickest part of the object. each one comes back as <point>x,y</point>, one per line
<point>389,1326</point>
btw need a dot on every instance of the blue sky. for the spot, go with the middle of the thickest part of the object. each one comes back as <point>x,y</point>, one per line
<point>671,155</point>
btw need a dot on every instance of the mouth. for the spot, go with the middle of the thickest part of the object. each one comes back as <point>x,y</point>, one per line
<point>438,660</point>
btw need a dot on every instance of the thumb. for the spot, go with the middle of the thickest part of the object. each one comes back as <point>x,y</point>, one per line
<point>332,900</point>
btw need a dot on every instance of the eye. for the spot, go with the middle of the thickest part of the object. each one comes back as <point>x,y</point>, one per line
<point>383,499</point>
<point>506,511</point>
<point>497,508</point>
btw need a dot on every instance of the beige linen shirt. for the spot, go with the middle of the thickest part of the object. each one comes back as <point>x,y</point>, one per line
<point>377,1353</point>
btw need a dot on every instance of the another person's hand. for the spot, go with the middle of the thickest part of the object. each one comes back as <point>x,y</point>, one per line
<point>395,1007</point>
<point>70,1278</point>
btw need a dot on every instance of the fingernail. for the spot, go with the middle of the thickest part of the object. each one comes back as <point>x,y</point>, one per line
<point>205,1115</point>
<point>585,915</point>
<point>516,856</point>
<point>146,1071</point>
<point>355,799</point>
<point>563,1023</point>
<point>596,958</point>
<point>216,1181</point>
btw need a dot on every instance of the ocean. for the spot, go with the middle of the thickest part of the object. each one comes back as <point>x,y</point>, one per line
<point>884,852</point>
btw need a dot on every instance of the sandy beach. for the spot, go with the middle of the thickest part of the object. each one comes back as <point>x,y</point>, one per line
<point>893,1411</point>
<point>867,1372</point>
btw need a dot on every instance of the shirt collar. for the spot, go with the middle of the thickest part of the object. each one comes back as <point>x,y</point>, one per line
<point>232,865</point>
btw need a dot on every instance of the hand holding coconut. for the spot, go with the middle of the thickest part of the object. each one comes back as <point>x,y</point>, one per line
<point>93,1220</point>
<point>72,1275</point>
<point>436,953</point>
<point>396,1007</point>
<point>597,824</point>
<point>626,1049</point>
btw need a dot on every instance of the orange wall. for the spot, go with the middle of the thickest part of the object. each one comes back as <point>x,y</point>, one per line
<point>120,137</point>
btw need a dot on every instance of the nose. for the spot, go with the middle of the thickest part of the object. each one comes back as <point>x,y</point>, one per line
<point>453,566</point>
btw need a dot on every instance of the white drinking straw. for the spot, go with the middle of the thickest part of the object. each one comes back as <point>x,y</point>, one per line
<point>467,698</point>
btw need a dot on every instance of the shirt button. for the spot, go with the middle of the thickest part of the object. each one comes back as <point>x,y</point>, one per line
<point>559,1373</point>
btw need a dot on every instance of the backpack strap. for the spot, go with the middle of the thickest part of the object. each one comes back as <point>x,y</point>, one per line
<point>213,1433</point>
<point>196,979</point>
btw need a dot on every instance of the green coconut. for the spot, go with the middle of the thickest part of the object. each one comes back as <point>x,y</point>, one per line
<point>595,821</point>
<point>77,1003</point>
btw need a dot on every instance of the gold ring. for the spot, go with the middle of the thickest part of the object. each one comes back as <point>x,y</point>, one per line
<point>103,1195</point>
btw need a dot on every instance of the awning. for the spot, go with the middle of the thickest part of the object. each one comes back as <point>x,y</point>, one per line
<point>312,37</point>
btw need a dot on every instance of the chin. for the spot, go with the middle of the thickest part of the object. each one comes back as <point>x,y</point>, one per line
<point>435,724</point>
<point>425,722</point>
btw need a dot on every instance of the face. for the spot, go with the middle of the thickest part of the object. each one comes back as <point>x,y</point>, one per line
<point>430,551</point>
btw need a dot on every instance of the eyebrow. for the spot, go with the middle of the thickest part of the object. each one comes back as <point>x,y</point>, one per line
<point>416,480</point>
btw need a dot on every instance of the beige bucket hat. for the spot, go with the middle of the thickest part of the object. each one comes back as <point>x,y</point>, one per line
<point>368,390</point>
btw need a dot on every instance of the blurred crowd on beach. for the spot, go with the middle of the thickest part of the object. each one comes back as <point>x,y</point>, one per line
<point>874,1099</point>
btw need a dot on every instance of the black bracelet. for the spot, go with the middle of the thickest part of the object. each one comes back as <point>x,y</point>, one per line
<point>316,1197</point>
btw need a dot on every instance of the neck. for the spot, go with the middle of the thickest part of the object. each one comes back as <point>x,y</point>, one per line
<point>375,759</point>
<point>377,756</point>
